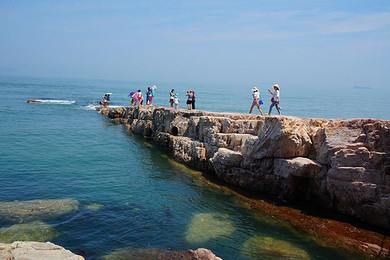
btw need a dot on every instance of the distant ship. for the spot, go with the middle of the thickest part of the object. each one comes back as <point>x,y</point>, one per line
<point>362,87</point>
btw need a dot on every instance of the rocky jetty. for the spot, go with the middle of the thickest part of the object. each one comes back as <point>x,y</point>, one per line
<point>342,165</point>
<point>35,251</point>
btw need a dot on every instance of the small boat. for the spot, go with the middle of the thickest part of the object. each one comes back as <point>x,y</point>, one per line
<point>33,101</point>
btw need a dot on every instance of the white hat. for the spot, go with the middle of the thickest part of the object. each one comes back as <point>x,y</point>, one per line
<point>255,89</point>
<point>277,86</point>
<point>154,87</point>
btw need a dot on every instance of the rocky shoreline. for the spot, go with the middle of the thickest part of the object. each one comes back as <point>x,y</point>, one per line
<point>338,165</point>
<point>341,165</point>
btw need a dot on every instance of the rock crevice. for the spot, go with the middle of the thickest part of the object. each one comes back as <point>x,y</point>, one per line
<point>338,164</point>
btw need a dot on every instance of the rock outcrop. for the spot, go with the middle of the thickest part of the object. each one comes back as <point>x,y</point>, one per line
<point>338,164</point>
<point>36,251</point>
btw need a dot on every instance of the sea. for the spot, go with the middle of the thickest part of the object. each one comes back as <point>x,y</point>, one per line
<point>131,193</point>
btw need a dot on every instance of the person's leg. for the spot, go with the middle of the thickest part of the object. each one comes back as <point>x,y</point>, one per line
<point>151,100</point>
<point>250,110</point>
<point>278,108</point>
<point>261,112</point>
<point>270,108</point>
<point>193,104</point>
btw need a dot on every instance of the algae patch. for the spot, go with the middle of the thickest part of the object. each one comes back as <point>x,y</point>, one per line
<point>271,248</point>
<point>206,226</point>
<point>37,209</point>
<point>34,231</point>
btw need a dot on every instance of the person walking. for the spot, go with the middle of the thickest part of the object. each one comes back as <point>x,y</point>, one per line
<point>148,96</point>
<point>172,97</point>
<point>193,99</point>
<point>152,93</point>
<point>256,100</point>
<point>275,99</point>
<point>139,98</point>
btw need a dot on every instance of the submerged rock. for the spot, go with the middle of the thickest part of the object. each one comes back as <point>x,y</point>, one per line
<point>206,226</point>
<point>36,251</point>
<point>37,209</point>
<point>94,206</point>
<point>159,254</point>
<point>271,248</point>
<point>34,231</point>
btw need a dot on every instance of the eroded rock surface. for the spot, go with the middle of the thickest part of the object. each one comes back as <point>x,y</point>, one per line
<point>35,251</point>
<point>341,165</point>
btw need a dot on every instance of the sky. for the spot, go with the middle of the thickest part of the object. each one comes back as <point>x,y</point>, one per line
<point>338,43</point>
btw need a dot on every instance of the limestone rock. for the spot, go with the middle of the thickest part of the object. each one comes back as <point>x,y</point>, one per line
<point>35,251</point>
<point>337,164</point>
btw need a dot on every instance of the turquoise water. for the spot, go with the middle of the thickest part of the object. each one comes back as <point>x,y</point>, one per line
<point>65,149</point>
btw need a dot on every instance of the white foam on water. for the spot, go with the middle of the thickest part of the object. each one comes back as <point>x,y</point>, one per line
<point>93,107</point>
<point>89,107</point>
<point>54,101</point>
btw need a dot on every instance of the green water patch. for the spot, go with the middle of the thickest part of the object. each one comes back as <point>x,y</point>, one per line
<point>37,209</point>
<point>270,248</point>
<point>206,226</point>
<point>149,254</point>
<point>34,231</point>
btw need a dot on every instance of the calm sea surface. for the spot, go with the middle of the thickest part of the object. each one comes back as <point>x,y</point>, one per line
<point>141,199</point>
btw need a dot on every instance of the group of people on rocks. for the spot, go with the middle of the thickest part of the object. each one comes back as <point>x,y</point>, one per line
<point>275,100</point>
<point>105,101</point>
<point>136,99</point>
<point>174,99</point>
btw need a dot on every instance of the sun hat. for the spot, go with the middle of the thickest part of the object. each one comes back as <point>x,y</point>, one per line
<point>255,89</point>
<point>154,87</point>
<point>277,86</point>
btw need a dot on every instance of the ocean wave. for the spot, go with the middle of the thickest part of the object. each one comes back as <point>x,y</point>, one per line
<point>89,107</point>
<point>93,106</point>
<point>55,101</point>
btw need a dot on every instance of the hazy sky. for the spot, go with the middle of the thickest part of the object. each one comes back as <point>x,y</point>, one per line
<point>307,43</point>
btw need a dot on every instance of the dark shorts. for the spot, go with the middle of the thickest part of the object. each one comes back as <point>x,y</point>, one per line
<point>189,102</point>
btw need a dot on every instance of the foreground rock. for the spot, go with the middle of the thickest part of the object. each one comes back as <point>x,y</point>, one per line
<point>339,165</point>
<point>37,209</point>
<point>159,254</point>
<point>35,251</point>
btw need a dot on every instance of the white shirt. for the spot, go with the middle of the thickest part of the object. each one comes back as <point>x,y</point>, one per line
<point>256,95</point>
<point>276,95</point>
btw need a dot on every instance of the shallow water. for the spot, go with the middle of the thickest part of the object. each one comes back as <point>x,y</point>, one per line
<point>130,193</point>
